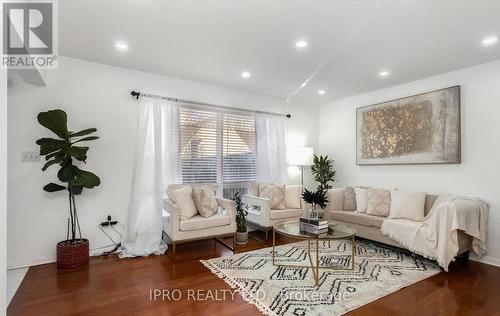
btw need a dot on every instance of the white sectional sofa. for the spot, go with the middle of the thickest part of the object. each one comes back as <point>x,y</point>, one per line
<point>368,226</point>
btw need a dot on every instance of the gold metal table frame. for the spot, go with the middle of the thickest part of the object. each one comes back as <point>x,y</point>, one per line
<point>314,267</point>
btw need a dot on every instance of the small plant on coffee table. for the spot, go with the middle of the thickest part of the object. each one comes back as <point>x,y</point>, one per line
<point>315,198</point>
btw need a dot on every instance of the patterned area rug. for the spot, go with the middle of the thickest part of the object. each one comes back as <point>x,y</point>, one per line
<point>278,290</point>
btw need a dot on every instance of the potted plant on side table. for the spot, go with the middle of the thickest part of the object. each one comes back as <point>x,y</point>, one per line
<point>62,151</point>
<point>241,236</point>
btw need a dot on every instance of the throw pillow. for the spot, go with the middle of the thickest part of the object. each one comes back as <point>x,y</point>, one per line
<point>360,195</point>
<point>293,196</point>
<point>406,204</point>
<point>275,194</point>
<point>204,199</point>
<point>349,199</point>
<point>183,200</point>
<point>378,202</point>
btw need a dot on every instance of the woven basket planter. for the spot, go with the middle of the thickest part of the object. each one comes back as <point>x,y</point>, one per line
<point>72,255</point>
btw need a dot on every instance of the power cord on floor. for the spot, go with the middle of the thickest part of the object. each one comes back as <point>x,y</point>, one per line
<point>111,224</point>
<point>107,253</point>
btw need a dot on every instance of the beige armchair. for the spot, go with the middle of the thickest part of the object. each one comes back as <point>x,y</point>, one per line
<point>262,216</point>
<point>220,225</point>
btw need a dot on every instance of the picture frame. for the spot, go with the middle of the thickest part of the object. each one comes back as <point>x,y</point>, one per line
<point>420,129</point>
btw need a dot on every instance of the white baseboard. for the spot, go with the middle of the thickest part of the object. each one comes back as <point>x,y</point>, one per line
<point>14,279</point>
<point>31,263</point>
<point>486,259</point>
<point>95,252</point>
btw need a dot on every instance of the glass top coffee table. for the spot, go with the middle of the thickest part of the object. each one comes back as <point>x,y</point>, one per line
<point>335,231</point>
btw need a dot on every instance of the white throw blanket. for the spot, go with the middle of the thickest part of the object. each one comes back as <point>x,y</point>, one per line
<point>436,237</point>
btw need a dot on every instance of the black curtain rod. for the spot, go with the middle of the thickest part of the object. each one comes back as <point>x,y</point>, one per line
<point>137,94</point>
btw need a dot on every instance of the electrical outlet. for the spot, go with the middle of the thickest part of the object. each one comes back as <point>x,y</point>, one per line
<point>109,222</point>
<point>30,156</point>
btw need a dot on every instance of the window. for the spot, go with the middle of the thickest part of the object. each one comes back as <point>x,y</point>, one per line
<point>217,148</point>
<point>199,144</point>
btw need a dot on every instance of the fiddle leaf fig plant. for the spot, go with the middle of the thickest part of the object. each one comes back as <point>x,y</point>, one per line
<point>64,153</point>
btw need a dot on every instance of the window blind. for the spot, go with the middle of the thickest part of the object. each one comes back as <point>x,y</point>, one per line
<point>217,147</point>
<point>238,148</point>
<point>200,146</point>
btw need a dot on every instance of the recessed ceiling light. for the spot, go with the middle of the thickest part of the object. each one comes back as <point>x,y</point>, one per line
<point>490,40</point>
<point>245,74</point>
<point>301,44</point>
<point>321,92</point>
<point>383,74</point>
<point>121,46</point>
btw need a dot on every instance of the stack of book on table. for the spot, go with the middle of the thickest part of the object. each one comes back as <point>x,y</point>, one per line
<point>315,226</point>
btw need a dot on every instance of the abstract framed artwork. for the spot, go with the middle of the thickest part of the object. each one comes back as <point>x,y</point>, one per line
<point>421,129</point>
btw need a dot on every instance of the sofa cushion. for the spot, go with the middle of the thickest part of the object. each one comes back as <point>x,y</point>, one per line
<point>183,201</point>
<point>335,200</point>
<point>204,199</point>
<point>286,213</point>
<point>430,199</point>
<point>274,193</point>
<point>199,222</point>
<point>378,202</point>
<point>358,218</point>
<point>293,196</point>
<point>377,221</point>
<point>349,199</point>
<point>409,205</point>
<point>360,200</point>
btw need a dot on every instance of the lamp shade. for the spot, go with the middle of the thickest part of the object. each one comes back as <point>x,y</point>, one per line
<point>301,156</point>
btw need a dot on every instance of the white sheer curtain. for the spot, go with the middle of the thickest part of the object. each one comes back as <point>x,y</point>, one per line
<point>271,148</point>
<point>156,165</point>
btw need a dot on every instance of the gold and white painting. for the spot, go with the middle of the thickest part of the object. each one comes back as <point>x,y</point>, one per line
<point>421,129</point>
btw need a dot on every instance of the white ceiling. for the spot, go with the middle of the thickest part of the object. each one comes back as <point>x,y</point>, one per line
<point>350,41</point>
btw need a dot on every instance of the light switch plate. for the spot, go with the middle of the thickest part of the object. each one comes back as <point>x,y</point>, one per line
<point>30,156</point>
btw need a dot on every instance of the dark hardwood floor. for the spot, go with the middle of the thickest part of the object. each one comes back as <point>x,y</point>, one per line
<point>112,286</point>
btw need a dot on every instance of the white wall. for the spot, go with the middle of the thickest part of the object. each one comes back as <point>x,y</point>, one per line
<point>477,175</point>
<point>97,95</point>
<point>3,191</point>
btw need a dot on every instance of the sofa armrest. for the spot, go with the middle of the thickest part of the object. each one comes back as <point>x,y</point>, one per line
<point>262,203</point>
<point>335,200</point>
<point>228,205</point>
<point>255,199</point>
<point>259,208</point>
<point>172,223</point>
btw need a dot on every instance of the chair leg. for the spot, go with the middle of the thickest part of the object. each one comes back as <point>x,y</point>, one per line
<point>220,241</point>
<point>267,234</point>
<point>173,250</point>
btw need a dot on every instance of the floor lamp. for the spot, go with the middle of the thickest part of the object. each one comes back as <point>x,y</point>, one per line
<point>301,157</point>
